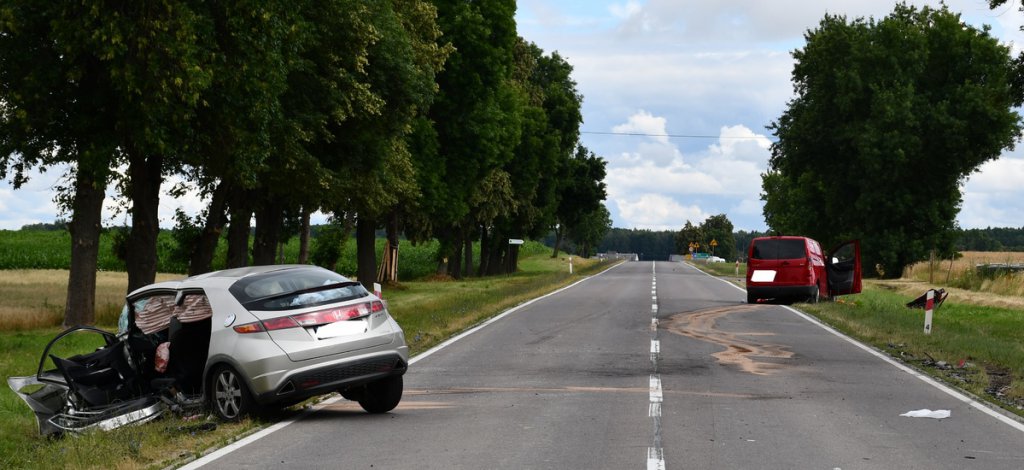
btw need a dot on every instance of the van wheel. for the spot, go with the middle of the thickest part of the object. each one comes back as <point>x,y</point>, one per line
<point>751,299</point>
<point>813,299</point>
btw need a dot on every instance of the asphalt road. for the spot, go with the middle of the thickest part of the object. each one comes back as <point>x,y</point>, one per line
<point>648,365</point>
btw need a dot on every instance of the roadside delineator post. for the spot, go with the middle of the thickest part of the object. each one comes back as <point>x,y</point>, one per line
<point>929,305</point>
<point>570,265</point>
<point>376,290</point>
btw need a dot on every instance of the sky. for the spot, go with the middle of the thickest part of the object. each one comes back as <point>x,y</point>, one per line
<point>715,71</point>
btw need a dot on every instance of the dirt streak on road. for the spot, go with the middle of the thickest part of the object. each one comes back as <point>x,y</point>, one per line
<point>741,352</point>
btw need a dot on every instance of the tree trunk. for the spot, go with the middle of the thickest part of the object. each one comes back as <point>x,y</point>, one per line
<point>485,252</point>
<point>304,238</point>
<point>269,218</point>
<point>469,256</point>
<point>444,238</point>
<point>238,230</point>
<point>145,176</point>
<point>206,247</point>
<point>366,251</point>
<point>455,262</point>
<point>87,209</point>
<point>558,242</point>
<point>388,272</point>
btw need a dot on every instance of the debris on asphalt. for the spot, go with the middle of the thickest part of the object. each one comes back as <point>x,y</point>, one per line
<point>926,413</point>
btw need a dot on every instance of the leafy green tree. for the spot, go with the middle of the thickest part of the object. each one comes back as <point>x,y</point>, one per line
<point>890,117</point>
<point>476,116</point>
<point>688,235</point>
<point>83,86</point>
<point>591,230</point>
<point>718,228</point>
<point>581,191</point>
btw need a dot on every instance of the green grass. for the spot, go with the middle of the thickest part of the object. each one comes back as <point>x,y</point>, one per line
<point>429,312</point>
<point>39,249</point>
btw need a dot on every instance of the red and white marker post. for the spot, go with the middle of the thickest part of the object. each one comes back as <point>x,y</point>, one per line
<point>929,306</point>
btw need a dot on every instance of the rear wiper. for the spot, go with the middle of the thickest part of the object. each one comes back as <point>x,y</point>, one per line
<point>338,285</point>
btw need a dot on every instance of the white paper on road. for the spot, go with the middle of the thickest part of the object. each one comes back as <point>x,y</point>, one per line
<point>926,413</point>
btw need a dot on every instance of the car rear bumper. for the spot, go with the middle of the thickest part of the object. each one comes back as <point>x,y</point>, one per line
<point>326,377</point>
<point>780,292</point>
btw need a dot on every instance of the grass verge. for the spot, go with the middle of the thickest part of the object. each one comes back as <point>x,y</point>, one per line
<point>429,312</point>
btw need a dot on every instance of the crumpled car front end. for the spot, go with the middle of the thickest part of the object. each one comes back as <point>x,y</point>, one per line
<point>56,413</point>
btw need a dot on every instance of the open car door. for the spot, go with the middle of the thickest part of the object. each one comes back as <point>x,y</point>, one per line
<point>843,269</point>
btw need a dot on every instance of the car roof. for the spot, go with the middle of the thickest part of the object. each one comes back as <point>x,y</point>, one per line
<point>223,277</point>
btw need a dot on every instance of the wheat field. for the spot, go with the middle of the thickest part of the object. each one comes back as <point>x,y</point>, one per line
<point>35,298</point>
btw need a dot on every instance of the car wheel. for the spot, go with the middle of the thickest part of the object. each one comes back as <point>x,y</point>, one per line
<point>382,395</point>
<point>751,299</point>
<point>230,397</point>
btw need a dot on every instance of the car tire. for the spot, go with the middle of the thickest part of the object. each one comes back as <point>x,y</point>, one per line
<point>382,395</point>
<point>230,398</point>
<point>751,299</point>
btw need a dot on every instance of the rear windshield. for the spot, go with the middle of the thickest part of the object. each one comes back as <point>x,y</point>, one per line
<point>790,248</point>
<point>295,288</point>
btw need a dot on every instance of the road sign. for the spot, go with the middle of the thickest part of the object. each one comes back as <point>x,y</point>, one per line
<point>714,242</point>
<point>515,241</point>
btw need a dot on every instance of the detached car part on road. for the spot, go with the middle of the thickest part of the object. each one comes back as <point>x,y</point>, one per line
<point>236,340</point>
<point>789,268</point>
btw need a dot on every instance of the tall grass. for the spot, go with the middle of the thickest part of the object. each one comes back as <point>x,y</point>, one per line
<point>963,273</point>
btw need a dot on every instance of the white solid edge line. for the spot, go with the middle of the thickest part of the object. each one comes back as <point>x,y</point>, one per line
<point>212,456</point>
<point>926,378</point>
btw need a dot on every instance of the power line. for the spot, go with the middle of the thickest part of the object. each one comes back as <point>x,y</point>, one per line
<point>679,136</point>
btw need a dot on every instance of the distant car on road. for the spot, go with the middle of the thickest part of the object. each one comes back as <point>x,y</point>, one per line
<point>715,259</point>
<point>793,268</point>
<point>234,340</point>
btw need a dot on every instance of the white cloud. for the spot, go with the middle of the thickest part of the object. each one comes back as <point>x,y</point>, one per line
<point>630,9</point>
<point>644,122</point>
<point>658,212</point>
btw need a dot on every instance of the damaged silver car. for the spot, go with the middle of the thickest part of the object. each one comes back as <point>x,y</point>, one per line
<point>234,341</point>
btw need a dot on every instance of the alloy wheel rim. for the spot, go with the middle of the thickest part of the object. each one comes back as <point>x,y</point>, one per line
<point>228,394</point>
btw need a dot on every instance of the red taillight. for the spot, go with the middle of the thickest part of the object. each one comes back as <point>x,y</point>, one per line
<point>322,317</point>
<point>348,312</point>
<point>279,323</point>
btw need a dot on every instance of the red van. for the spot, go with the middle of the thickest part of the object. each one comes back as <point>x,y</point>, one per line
<point>787,269</point>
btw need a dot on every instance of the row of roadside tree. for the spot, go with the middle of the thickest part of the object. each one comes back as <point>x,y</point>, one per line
<point>434,119</point>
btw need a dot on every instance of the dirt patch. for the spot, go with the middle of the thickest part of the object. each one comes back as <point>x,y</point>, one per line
<point>741,352</point>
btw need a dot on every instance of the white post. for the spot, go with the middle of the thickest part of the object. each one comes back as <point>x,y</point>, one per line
<point>929,305</point>
<point>376,290</point>
<point>570,265</point>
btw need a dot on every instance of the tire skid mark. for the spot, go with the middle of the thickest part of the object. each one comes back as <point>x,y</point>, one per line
<point>700,325</point>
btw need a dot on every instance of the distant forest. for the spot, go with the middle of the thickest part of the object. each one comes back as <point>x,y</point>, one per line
<point>652,245</point>
<point>659,245</point>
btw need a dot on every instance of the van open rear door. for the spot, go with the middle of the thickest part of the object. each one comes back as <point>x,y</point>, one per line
<point>843,268</point>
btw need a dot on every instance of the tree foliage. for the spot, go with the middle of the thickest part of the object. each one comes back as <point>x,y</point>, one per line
<point>435,117</point>
<point>890,117</point>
